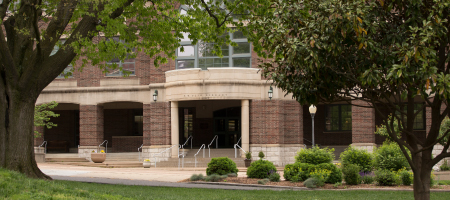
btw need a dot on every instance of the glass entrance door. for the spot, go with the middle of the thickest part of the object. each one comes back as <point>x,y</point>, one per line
<point>227,125</point>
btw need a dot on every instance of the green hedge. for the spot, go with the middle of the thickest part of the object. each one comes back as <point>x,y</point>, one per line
<point>389,156</point>
<point>301,172</point>
<point>315,155</point>
<point>359,157</point>
<point>221,166</point>
<point>260,169</point>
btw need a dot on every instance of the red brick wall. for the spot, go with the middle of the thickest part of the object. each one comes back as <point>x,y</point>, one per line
<point>275,122</point>
<point>363,123</point>
<point>157,124</point>
<point>321,136</point>
<point>126,144</point>
<point>91,125</point>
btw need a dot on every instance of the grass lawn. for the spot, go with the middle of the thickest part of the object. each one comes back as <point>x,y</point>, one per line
<point>16,186</point>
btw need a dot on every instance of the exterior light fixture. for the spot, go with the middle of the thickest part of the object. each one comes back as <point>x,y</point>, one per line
<point>312,110</point>
<point>155,95</point>
<point>270,93</point>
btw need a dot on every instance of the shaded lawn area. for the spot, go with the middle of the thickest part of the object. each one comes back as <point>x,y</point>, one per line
<point>16,186</point>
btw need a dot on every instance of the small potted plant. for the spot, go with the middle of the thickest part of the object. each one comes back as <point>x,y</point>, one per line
<point>146,163</point>
<point>98,157</point>
<point>248,159</point>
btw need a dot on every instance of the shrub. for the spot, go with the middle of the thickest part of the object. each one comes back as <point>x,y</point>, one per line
<point>311,182</point>
<point>274,176</point>
<point>351,174</point>
<point>248,155</point>
<point>263,181</point>
<point>320,175</point>
<point>445,166</point>
<point>385,177</point>
<point>232,175</point>
<point>260,169</point>
<point>335,175</point>
<point>389,156</point>
<point>315,155</point>
<point>215,178</point>
<point>297,171</point>
<point>221,166</point>
<point>359,157</point>
<point>196,177</point>
<point>367,178</point>
<point>261,155</point>
<point>406,177</point>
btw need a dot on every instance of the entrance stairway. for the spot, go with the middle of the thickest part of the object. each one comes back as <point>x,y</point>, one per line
<point>189,159</point>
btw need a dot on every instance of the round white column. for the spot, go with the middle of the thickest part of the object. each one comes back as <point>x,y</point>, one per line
<point>245,125</point>
<point>174,127</point>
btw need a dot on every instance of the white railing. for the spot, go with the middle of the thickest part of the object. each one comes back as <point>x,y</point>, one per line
<point>156,158</point>
<point>215,138</point>
<point>235,149</point>
<point>106,146</point>
<point>45,147</point>
<point>203,146</point>
<point>182,163</point>
<point>140,148</point>
<point>189,138</point>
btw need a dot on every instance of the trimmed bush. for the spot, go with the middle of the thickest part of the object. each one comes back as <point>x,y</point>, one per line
<point>351,174</point>
<point>261,155</point>
<point>315,155</point>
<point>311,182</point>
<point>196,177</point>
<point>445,166</point>
<point>232,175</point>
<point>263,181</point>
<point>297,171</point>
<point>367,178</point>
<point>215,178</point>
<point>389,156</point>
<point>359,157</point>
<point>260,169</point>
<point>320,175</point>
<point>385,177</point>
<point>335,175</point>
<point>274,177</point>
<point>406,177</point>
<point>221,166</point>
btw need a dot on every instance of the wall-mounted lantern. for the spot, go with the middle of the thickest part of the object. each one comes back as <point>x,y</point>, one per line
<point>155,95</point>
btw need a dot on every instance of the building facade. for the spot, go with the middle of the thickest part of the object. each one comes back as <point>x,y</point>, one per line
<point>201,95</point>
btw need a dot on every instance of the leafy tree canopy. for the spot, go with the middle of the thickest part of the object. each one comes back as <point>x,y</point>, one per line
<point>42,114</point>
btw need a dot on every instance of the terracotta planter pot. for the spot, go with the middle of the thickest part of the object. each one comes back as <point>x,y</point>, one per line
<point>98,157</point>
<point>247,163</point>
<point>146,164</point>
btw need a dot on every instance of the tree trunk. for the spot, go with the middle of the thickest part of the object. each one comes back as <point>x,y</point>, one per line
<point>16,133</point>
<point>422,176</point>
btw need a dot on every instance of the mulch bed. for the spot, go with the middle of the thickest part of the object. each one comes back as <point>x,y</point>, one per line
<point>244,180</point>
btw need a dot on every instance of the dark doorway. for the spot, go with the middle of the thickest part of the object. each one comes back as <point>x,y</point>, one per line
<point>227,125</point>
<point>187,116</point>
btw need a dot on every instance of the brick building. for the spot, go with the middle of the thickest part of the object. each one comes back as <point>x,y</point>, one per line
<point>199,95</point>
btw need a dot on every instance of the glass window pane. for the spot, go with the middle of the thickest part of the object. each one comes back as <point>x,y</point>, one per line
<point>206,50</point>
<point>185,37</point>
<point>67,71</point>
<point>128,67</point>
<point>242,47</point>
<point>241,62</point>
<point>332,118</point>
<point>113,72</point>
<point>346,117</point>
<point>238,35</point>
<point>188,51</point>
<point>185,64</point>
<point>231,125</point>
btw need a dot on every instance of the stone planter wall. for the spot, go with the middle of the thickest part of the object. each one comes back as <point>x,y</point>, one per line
<point>279,154</point>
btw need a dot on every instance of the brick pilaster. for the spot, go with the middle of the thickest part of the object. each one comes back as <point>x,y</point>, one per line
<point>91,125</point>
<point>267,122</point>
<point>363,123</point>
<point>293,122</point>
<point>157,123</point>
<point>39,140</point>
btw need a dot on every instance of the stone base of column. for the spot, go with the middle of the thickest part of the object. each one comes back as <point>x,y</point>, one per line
<point>39,150</point>
<point>39,157</point>
<point>279,154</point>
<point>370,147</point>
<point>85,151</point>
<point>152,152</point>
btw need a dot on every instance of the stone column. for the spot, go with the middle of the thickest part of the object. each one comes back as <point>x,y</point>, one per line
<point>174,127</point>
<point>363,126</point>
<point>245,125</point>
<point>91,129</point>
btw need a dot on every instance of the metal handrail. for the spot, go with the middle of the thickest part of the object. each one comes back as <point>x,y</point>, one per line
<point>217,145</point>
<point>239,140</point>
<point>182,163</point>
<point>106,146</point>
<point>235,153</point>
<point>310,142</point>
<point>203,146</point>
<point>156,160</point>
<point>191,138</point>
<point>45,148</point>
<point>140,152</point>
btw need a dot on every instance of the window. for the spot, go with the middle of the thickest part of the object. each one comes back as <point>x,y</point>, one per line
<point>127,65</point>
<point>68,70</point>
<point>419,121</point>
<point>338,118</point>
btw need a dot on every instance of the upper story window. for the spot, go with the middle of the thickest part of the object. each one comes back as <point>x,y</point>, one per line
<point>202,56</point>
<point>338,118</point>
<point>128,65</point>
<point>69,69</point>
<point>419,121</point>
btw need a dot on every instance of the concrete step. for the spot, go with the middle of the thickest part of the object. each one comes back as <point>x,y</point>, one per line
<point>66,160</point>
<point>107,164</point>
